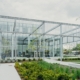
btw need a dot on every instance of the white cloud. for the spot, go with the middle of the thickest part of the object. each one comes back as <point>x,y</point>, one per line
<point>53,10</point>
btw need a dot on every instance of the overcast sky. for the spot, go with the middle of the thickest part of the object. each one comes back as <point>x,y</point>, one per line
<point>52,10</point>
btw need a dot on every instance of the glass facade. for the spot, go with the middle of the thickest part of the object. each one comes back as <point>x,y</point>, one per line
<point>22,37</point>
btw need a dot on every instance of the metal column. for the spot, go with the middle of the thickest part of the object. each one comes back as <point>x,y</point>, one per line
<point>12,54</point>
<point>0,44</point>
<point>43,41</point>
<point>49,49</point>
<point>40,47</point>
<point>16,46</point>
<point>28,40</point>
<point>61,43</point>
<point>53,45</point>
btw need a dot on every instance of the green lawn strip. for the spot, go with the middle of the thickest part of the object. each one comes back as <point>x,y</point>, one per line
<point>75,61</point>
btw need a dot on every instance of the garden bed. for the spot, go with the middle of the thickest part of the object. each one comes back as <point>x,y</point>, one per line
<point>19,60</point>
<point>40,70</point>
<point>75,60</point>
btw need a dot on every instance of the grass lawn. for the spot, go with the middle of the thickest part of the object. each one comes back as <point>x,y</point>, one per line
<point>75,61</point>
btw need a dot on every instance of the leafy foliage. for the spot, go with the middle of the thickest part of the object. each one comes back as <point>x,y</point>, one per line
<point>40,70</point>
<point>77,47</point>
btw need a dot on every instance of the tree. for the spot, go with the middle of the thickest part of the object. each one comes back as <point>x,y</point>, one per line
<point>34,43</point>
<point>6,43</point>
<point>77,47</point>
<point>67,51</point>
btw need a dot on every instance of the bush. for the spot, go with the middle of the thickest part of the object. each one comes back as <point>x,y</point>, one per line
<point>59,59</point>
<point>24,60</point>
<point>64,59</point>
<point>40,77</point>
<point>19,60</point>
<point>77,74</point>
<point>9,60</point>
<point>34,59</point>
<point>17,64</point>
<point>6,61</point>
<point>62,76</point>
<point>13,60</point>
<point>78,58</point>
<point>48,75</point>
<point>29,59</point>
<point>39,59</point>
<point>26,78</point>
<point>40,70</point>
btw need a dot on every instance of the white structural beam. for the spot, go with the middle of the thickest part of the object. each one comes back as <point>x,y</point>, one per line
<point>43,40</point>
<point>42,34</point>
<point>43,46</point>
<point>14,26</point>
<point>71,30</point>
<point>12,53</point>
<point>35,20</point>
<point>49,50</point>
<point>61,44</point>
<point>35,30</point>
<point>14,41</point>
<point>16,45</point>
<point>39,46</point>
<point>53,45</point>
<point>52,28</point>
<point>0,44</point>
<point>28,38</point>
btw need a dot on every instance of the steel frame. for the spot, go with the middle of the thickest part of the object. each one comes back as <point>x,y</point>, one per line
<point>58,24</point>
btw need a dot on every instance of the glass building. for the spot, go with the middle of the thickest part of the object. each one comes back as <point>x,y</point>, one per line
<point>22,37</point>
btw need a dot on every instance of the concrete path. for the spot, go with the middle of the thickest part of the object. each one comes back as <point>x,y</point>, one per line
<point>8,72</point>
<point>71,64</point>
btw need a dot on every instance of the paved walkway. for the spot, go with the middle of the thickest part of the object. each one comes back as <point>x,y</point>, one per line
<point>8,72</point>
<point>62,63</point>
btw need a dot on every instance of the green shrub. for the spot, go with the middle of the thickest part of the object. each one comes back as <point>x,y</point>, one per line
<point>26,78</point>
<point>59,59</point>
<point>17,64</point>
<point>67,70</point>
<point>29,60</point>
<point>34,59</point>
<point>39,59</point>
<point>41,70</point>
<point>40,77</point>
<point>48,75</point>
<point>78,58</point>
<point>6,61</point>
<point>19,60</point>
<point>24,60</point>
<point>76,74</point>
<point>63,59</point>
<point>62,76</point>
